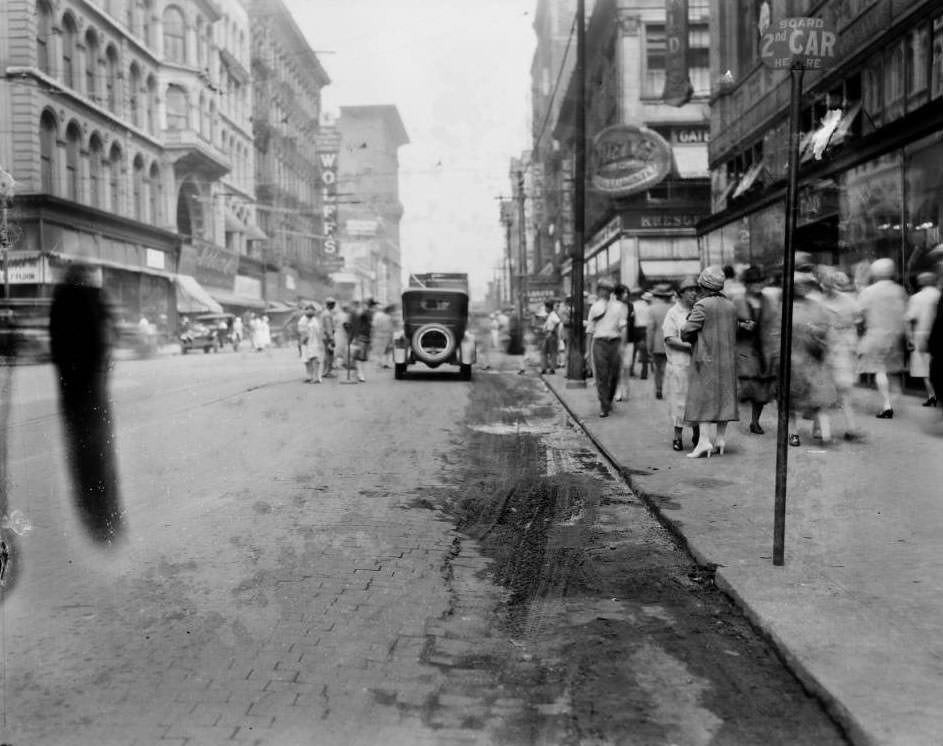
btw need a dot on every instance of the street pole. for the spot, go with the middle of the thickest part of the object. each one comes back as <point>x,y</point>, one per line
<point>522,254</point>
<point>785,349</point>
<point>5,242</point>
<point>576,365</point>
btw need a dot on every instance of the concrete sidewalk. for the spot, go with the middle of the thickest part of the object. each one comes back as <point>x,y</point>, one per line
<point>857,610</point>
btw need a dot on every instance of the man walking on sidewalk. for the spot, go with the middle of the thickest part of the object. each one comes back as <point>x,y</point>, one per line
<point>655,341</point>
<point>607,322</point>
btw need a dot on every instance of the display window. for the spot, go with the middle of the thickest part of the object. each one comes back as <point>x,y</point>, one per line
<point>923,162</point>
<point>936,59</point>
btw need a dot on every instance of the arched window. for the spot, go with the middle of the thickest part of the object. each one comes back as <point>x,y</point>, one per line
<point>114,179</point>
<point>175,49</point>
<point>138,188</point>
<point>43,35</point>
<point>134,94</point>
<point>95,156</point>
<point>176,108</point>
<point>146,12</point>
<point>91,64</point>
<point>69,33</point>
<point>200,43</point>
<point>111,79</point>
<point>151,104</point>
<point>156,195</point>
<point>47,152</point>
<point>72,143</point>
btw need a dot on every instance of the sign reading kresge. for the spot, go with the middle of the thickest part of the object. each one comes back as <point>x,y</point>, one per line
<point>806,43</point>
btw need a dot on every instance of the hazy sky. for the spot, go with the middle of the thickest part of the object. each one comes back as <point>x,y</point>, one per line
<point>459,73</point>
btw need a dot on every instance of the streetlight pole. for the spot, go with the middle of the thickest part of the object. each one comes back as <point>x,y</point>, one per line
<point>577,343</point>
<point>522,304</point>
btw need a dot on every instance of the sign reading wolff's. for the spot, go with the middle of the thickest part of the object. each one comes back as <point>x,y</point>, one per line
<point>806,43</point>
<point>627,159</point>
<point>329,200</point>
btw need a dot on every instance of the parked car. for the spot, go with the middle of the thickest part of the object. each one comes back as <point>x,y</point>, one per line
<point>435,331</point>
<point>207,332</point>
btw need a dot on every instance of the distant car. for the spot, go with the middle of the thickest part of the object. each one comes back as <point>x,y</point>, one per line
<point>435,331</point>
<point>207,332</point>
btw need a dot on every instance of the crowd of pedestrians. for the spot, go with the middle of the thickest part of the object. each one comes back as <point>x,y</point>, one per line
<point>345,337</point>
<point>712,343</point>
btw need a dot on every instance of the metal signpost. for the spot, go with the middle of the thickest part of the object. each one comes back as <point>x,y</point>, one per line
<point>795,44</point>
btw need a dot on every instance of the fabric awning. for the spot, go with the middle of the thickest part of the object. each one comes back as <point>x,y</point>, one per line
<point>276,306</point>
<point>254,233</point>
<point>749,178</point>
<point>233,223</point>
<point>668,268</point>
<point>238,301</point>
<point>193,298</point>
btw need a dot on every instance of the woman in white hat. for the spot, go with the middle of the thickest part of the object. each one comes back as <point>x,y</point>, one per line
<point>882,308</point>
<point>678,360</point>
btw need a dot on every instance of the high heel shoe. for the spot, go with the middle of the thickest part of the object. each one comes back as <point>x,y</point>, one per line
<point>930,402</point>
<point>756,429</point>
<point>677,445</point>
<point>703,448</point>
<point>885,414</point>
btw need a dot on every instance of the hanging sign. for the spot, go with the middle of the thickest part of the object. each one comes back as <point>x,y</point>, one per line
<point>678,89</point>
<point>801,43</point>
<point>329,200</point>
<point>627,159</point>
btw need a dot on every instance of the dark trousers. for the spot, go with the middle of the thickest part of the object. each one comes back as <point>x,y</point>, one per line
<point>606,363</point>
<point>659,361</point>
<point>549,351</point>
<point>640,351</point>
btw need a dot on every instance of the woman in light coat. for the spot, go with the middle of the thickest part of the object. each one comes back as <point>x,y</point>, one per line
<point>711,327</point>
<point>311,336</point>
<point>678,361</point>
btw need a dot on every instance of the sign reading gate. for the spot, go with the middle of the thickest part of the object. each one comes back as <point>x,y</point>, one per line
<point>806,43</point>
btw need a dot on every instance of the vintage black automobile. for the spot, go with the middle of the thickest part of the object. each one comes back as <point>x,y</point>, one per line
<point>207,332</point>
<point>435,331</point>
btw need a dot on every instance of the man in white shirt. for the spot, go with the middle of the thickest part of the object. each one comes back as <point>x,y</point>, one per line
<point>606,326</point>
<point>551,340</point>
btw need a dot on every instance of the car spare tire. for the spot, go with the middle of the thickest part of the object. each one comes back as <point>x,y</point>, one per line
<point>433,343</point>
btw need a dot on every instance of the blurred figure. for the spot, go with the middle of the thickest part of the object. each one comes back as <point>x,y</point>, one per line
<point>626,343</point>
<point>238,333</point>
<point>881,309</point>
<point>640,317</point>
<point>256,333</point>
<point>266,332</point>
<point>80,331</point>
<point>607,324</point>
<point>920,314</point>
<point>550,343</point>
<point>342,335</point>
<point>733,287</point>
<point>678,360</point>
<point>655,337</point>
<point>311,336</point>
<point>9,565</point>
<point>382,342</point>
<point>329,336</point>
<point>757,343</point>
<point>493,339</point>
<point>711,328</point>
<point>811,388</point>
<point>565,312</point>
<point>840,354</point>
<point>362,332</point>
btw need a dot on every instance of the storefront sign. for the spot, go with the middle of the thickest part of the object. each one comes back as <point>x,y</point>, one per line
<point>328,162</point>
<point>806,43</point>
<point>248,287</point>
<point>609,231</point>
<point>32,271</point>
<point>690,136</point>
<point>667,220</point>
<point>155,259</point>
<point>678,89</point>
<point>627,159</point>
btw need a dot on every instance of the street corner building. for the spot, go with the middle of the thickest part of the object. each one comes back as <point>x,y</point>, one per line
<point>869,148</point>
<point>138,144</point>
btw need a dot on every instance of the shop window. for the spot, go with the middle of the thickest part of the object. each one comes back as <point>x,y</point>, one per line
<point>174,35</point>
<point>69,33</point>
<point>936,61</point>
<point>43,35</point>
<point>924,205</point>
<point>72,174</point>
<point>176,108</point>
<point>47,152</point>
<point>95,155</point>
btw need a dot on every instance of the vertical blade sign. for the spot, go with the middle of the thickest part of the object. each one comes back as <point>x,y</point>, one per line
<point>329,200</point>
<point>678,88</point>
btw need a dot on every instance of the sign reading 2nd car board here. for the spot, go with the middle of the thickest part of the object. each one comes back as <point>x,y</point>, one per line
<point>804,43</point>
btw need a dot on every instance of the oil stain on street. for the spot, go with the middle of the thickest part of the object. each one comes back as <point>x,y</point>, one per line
<point>600,630</point>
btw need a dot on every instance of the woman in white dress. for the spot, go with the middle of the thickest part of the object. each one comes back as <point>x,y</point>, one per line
<point>311,336</point>
<point>678,361</point>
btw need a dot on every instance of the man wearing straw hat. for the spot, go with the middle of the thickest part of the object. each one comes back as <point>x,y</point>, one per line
<point>606,325</point>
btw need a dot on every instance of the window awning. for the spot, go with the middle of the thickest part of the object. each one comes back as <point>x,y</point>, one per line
<point>254,233</point>
<point>193,298</point>
<point>238,301</point>
<point>233,223</point>
<point>668,268</point>
<point>844,126</point>
<point>749,178</point>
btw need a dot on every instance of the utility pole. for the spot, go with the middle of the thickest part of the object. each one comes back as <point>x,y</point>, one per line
<point>576,345</point>
<point>7,186</point>
<point>522,304</point>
